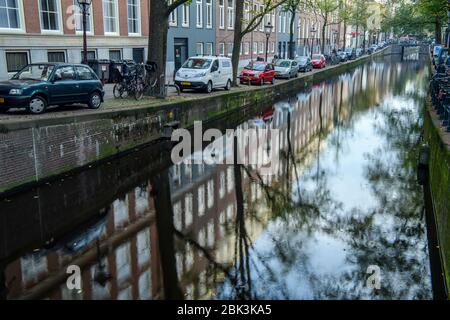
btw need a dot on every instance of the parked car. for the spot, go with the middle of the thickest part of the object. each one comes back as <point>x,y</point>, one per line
<point>286,69</point>
<point>359,52</point>
<point>342,56</point>
<point>205,73</point>
<point>304,64</point>
<point>442,56</point>
<point>351,53</point>
<point>258,73</point>
<point>318,61</point>
<point>40,85</point>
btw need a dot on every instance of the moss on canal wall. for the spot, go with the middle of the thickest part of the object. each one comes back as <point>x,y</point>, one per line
<point>440,185</point>
<point>33,151</point>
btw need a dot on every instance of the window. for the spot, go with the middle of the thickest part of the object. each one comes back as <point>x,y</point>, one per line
<point>49,15</point>
<point>222,48</point>
<point>209,48</point>
<point>255,47</point>
<point>221,14</point>
<point>273,47</point>
<point>56,56</point>
<point>65,74</point>
<point>230,13</point>
<point>115,55</point>
<point>10,14</point>
<point>15,61</point>
<point>246,14</point>
<point>173,16</point>
<point>91,55</point>
<point>284,22</point>
<point>261,24</point>
<point>78,17</point>
<point>185,12</point>
<point>246,48</point>
<point>134,8</point>
<point>199,11</point>
<point>200,48</point>
<point>110,16</point>
<point>230,49</point>
<point>261,47</point>
<point>209,14</point>
<point>84,73</point>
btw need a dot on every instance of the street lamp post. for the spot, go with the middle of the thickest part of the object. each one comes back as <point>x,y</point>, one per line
<point>84,6</point>
<point>268,28</point>
<point>313,35</point>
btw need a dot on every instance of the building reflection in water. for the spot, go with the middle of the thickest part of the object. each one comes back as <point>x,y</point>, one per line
<point>120,250</point>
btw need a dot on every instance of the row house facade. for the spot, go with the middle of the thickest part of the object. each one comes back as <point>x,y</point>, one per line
<point>51,31</point>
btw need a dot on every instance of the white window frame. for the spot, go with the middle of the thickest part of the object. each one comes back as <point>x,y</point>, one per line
<point>185,11</point>
<point>209,48</point>
<point>209,14</point>
<point>202,48</point>
<point>58,51</point>
<point>173,16</point>
<point>230,15</point>
<point>76,11</point>
<point>261,23</point>
<point>246,48</point>
<point>199,13</point>
<point>255,48</point>
<point>11,73</point>
<point>116,7</point>
<point>221,14</point>
<point>230,46</point>
<point>139,22</point>
<point>58,19</point>
<point>21,18</point>
<point>222,48</point>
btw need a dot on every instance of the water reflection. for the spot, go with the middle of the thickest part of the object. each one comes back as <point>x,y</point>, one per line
<point>343,198</point>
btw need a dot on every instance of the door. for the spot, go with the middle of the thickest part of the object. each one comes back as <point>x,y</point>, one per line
<point>138,55</point>
<point>64,88</point>
<point>216,74</point>
<point>87,82</point>
<point>180,52</point>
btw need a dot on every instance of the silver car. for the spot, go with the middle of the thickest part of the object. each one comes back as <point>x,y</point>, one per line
<point>286,69</point>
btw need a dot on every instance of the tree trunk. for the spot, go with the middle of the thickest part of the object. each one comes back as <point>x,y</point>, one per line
<point>239,16</point>
<point>291,35</point>
<point>437,31</point>
<point>345,35</point>
<point>157,41</point>
<point>164,224</point>
<point>325,21</point>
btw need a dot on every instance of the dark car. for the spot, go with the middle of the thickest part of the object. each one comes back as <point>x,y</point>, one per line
<point>304,64</point>
<point>351,53</point>
<point>39,85</point>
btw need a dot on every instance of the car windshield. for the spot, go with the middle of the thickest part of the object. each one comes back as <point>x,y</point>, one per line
<point>316,57</point>
<point>256,67</point>
<point>302,59</point>
<point>38,72</point>
<point>197,64</point>
<point>283,64</point>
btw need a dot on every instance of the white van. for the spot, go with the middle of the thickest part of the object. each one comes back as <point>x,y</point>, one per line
<point>205,73</point>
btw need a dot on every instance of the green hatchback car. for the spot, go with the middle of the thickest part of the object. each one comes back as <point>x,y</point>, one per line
<point>40,85</point>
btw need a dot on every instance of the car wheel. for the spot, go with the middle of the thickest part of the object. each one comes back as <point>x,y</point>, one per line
<point>95,100</point>
<point>261,82</point>
<point>272,81</point>
<point>37,105</point>
<point>228,86</point>
<point>209,87</point>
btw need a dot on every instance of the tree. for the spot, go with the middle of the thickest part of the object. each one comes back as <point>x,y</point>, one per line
<point>433,12</point>
<point>358,17</point>
<point>243,26</point>
<point>158,28</point>
<point>292,6</point>
<point>344,17</point>
<point>325,9</point>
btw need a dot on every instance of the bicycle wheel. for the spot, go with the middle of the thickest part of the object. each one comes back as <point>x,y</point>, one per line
<point>117,91</point>
<point>139,91</point>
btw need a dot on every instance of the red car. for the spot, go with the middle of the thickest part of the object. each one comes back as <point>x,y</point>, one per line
<point>318,61</point>
<point>258,73</point>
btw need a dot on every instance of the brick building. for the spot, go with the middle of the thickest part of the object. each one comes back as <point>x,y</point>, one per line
<point>50,30</point>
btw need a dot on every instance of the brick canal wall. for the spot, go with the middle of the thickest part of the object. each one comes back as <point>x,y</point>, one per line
<point>439,142</point>
<point>32,151</point>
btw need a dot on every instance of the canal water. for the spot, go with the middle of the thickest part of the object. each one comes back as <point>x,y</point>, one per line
<point>340,217</point>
